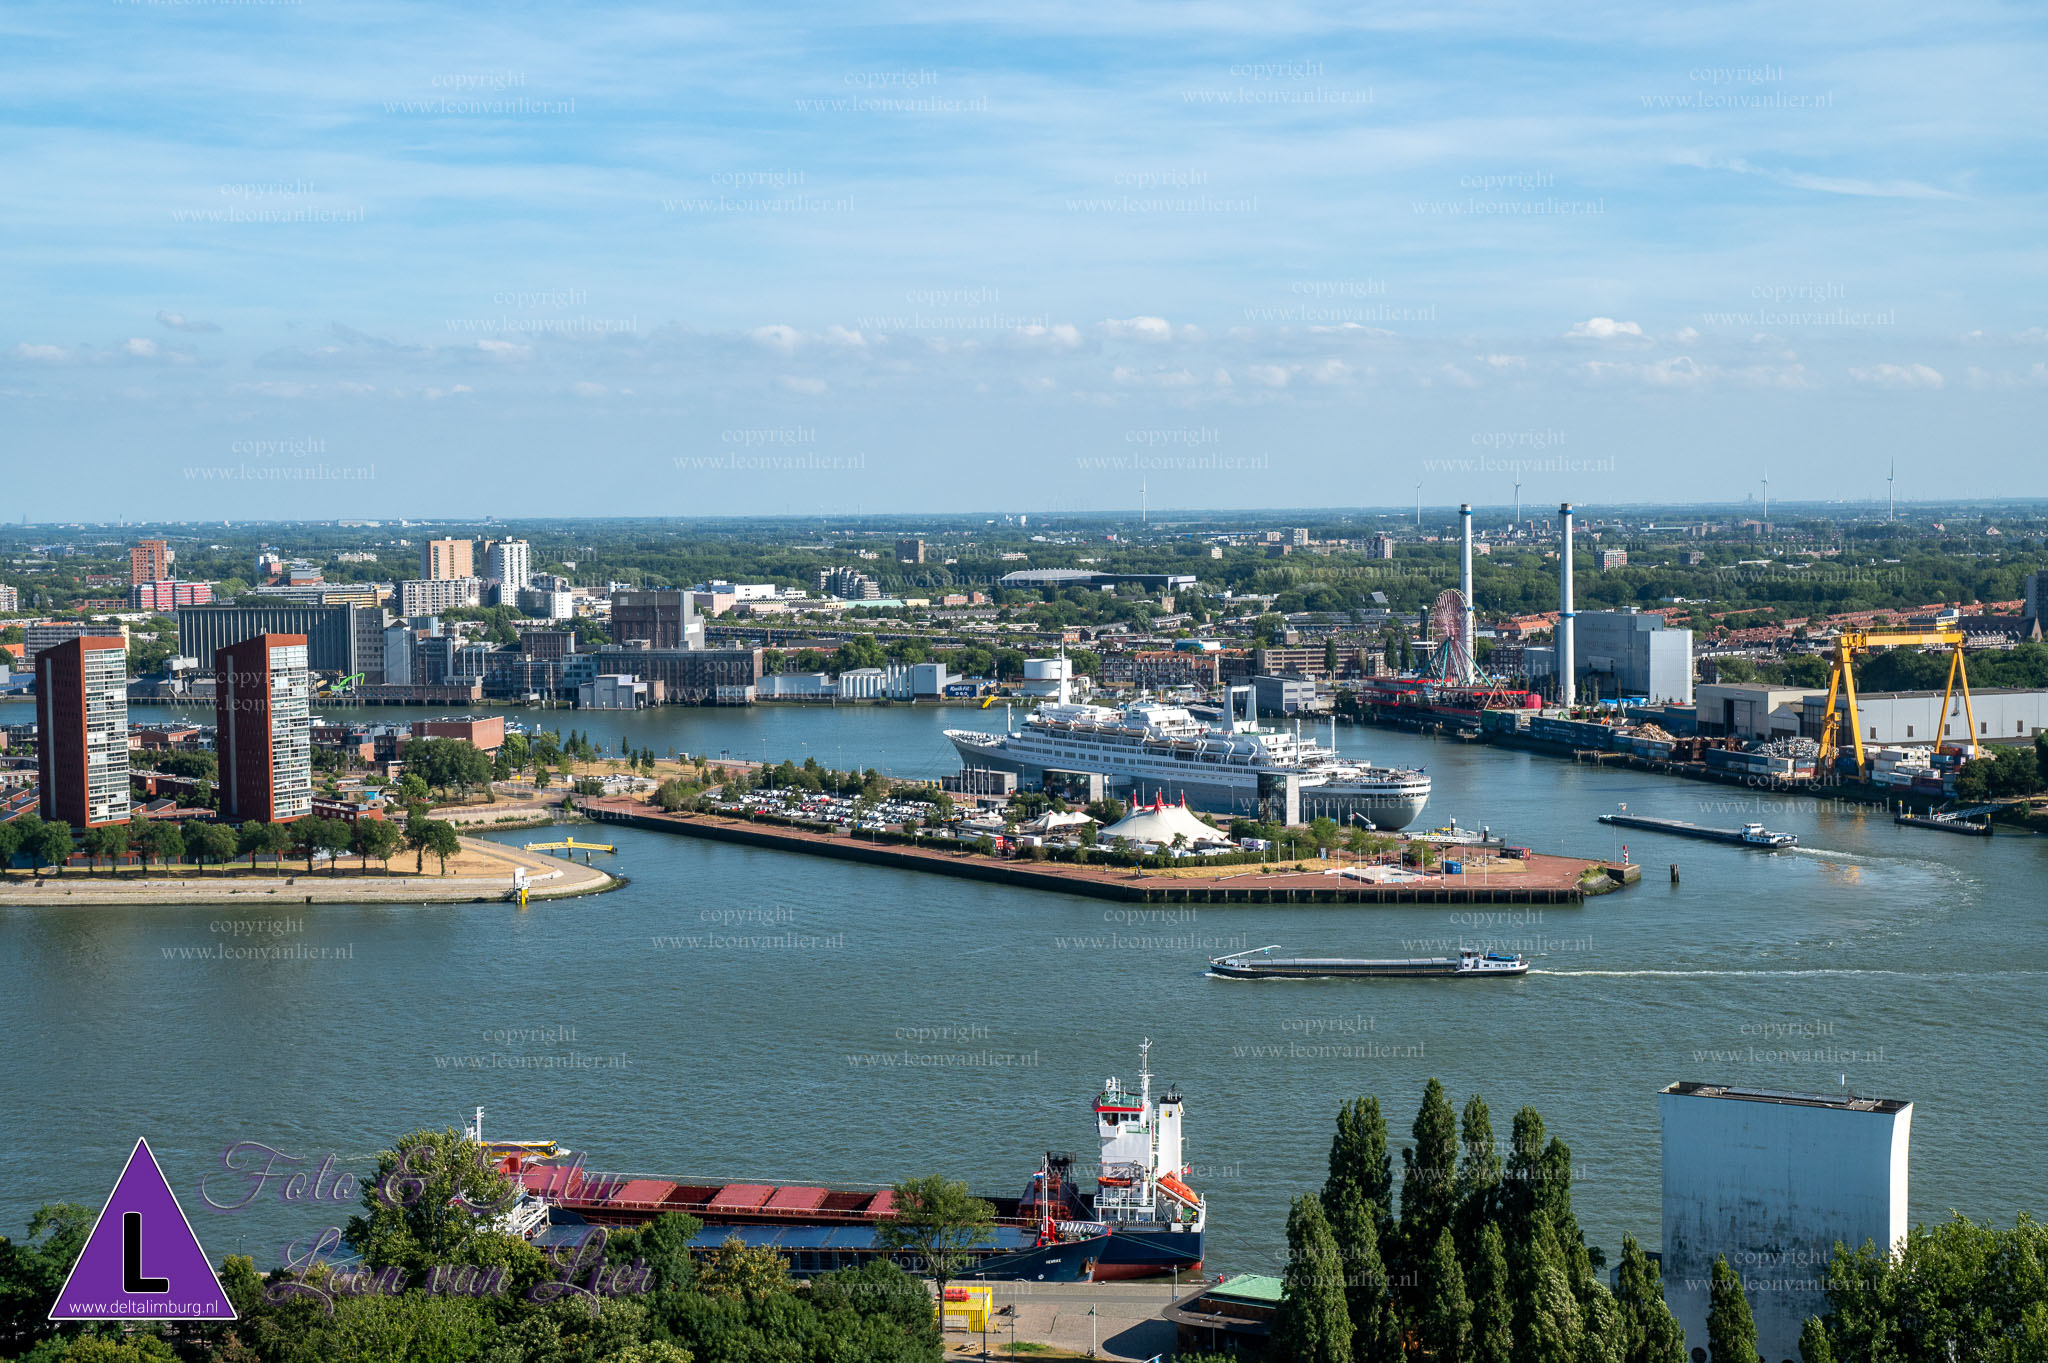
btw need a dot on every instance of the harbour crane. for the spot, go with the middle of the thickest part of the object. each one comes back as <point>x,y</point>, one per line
<point>1842,681</point>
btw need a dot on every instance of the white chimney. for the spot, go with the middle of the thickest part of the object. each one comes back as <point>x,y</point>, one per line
<point>1468,670</point>
<point>1567,690</point>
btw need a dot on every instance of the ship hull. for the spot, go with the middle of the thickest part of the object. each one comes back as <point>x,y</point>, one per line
<point>1391,810</point>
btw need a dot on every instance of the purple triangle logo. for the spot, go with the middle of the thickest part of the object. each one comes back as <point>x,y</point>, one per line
<point>142,1261</point>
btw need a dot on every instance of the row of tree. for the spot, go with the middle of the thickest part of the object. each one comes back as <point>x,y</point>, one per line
<point>170,843</point>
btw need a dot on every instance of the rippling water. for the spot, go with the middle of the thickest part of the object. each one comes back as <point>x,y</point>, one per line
<point>898,1024</point>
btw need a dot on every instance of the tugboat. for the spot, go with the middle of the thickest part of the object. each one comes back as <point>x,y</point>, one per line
<point>1469,964</point>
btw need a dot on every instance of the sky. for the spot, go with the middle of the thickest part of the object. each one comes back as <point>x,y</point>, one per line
<point>313,259</point>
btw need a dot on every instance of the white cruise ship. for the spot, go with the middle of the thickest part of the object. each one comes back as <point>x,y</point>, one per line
<point>1151,748</point>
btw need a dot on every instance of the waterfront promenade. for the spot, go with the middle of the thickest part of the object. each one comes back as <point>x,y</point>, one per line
<point>482,871</point>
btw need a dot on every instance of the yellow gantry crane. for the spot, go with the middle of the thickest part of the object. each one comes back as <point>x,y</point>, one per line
<point>1842,681</point>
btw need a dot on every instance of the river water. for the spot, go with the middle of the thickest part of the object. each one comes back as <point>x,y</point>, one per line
<point>746,1014</point>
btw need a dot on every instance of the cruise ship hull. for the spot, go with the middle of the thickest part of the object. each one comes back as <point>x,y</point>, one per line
<point>1391,810</point>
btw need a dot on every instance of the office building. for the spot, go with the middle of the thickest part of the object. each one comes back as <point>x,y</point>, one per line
<point>617,691</point>
<point>725,676</point>
<point>431,596</point>
<point>910,551</point>
<point>82,730</point>
<point>10,600</point>
<point>848,584</point>
<point>262,706</point>
<point>149,561</point>
<point>1605,559</point>
<point>1772,1181</point>
<point>537,604</point>
<point>660,619</point>
<point>168,595</point>
<point>441,559</point>
<point>326,593</point>
<point>336,635</point>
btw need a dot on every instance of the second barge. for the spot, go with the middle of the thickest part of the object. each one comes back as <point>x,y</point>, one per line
<point>1749,835</point>
<point>1469,964</point>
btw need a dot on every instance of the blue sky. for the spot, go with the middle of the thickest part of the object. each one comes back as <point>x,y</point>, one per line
<point>387,259</point>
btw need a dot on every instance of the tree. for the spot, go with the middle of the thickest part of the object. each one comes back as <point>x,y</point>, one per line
<point>1649,1332</point>
<point>429,1204</point>
<point>1312,1323</point>
<point>170,844</point>
<point>1731,1330</point>
<point>1813,1342</point>
<point>1429,1175</point>
<point>1479,1172</point>
<point>49,842</point>
<point>377,838</point>
<point>1492,1338</point>
<point>252,837</point>
<point>106,842</point>
<point>146,837</point>
<point>939,1221</point>
<point>1359,1158</point>
<point>32,1271</point>
<point>442,841</point>
<point>1446,1314</point>
<point>1375,1323</point>
<point>750,1273</point>
<point>1548,1323</point>
<point>10,843</point>
<point>211,842</point>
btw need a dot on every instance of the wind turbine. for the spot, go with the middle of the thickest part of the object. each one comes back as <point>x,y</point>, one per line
<point>1767,500</point>
<point>1518,500</point>
<point>1891,501</point>
<point>1418,506</point>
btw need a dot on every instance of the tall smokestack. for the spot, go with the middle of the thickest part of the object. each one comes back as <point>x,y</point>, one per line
<point>1465,588</point>
<point>1567,672</point>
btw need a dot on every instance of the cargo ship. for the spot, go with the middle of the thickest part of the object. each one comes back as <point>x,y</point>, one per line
<point>1135,1216</point>
<point>1469,964</point>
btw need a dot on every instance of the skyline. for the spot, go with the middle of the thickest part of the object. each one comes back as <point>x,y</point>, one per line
<point>548,255</point>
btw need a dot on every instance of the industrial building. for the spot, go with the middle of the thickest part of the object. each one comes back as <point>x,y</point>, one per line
<point>36,638</point>
<point>1772,1181</point>
<point>2003,715</point>
<point>1077,577</point>
<point>340,639</point>
<point>262,703</point>
<point>1283,695</point>
<point>1755,710</point>
<point>700,676</point>
<point>659,619</point>
<point>1622,653</point>
<point>82,730</point>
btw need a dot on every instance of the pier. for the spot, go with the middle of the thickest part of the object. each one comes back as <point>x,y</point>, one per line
<point>1543,879</point>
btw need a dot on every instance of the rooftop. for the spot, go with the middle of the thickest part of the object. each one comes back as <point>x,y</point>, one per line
<point>1844,1102</point>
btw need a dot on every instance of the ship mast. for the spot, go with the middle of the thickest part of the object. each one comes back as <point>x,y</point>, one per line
<point>1145,1079</point>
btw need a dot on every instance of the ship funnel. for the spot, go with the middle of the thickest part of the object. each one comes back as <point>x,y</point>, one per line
<point>1567,672</point>
<point>1467,668</point>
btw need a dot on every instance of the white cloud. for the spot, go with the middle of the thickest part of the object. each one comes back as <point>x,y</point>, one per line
<point>1331,372</point>
<point>1271,375</point>
<point>780,337</point>
<point>47,354</point>
<point>1138,329</point>
<point>1457,376</point>
<point>505,350</point>
<point>838,335</point>
<point>1904,376</point>
<point>792,384</point>
<point>585,389</point>
<point>139,347</point>
<point>1222,379</point>
<point>178,321</point>
<point>1504,361</point>
<point>1152,378</point>
<point>1824,184</point>
<point>1685,335</point>
<point>1603,329</point>
<point>1064,335</point>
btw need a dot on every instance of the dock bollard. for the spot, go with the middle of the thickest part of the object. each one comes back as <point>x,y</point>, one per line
<point>1674,873</point>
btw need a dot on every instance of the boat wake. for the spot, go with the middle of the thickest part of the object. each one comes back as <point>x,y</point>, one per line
<point>1780,974</point>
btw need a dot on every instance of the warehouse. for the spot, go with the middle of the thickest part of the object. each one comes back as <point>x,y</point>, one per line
<point>2003,715</point>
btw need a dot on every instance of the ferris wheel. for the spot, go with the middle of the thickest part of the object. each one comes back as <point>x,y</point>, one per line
<point>1447,626</point>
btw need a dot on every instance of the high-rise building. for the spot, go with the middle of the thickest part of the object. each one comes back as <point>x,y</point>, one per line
<point>910,551</point>
<point>82,730</point>
<point>509,563</point>
<point>447,558</point>
<point>335,634</point>
<point>36,638</point>
<point>10,599</point>
<point>662,619</point>
<point>263,709</point>
<point>167,595</point>
<point>1382,546</point>
<point>149,561</point>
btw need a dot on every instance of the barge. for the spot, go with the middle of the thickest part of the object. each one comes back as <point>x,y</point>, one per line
<point>1469,964</point>
<point>1749,835</point>
<point>1947,823</point>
